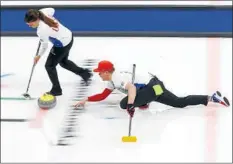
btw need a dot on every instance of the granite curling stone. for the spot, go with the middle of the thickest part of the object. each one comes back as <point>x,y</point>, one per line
<point>47,101</point>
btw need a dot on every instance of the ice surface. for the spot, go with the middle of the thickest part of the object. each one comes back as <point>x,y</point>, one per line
<point>192,134</point>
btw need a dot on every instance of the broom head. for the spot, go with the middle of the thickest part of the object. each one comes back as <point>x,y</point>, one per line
<point>129,139</point>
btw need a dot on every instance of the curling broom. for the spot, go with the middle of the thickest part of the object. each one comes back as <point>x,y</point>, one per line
<point>130,138</point>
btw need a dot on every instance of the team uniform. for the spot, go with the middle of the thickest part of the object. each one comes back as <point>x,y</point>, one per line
<point>62,40</point>
<point>147,91</point>
<point>151,89</point>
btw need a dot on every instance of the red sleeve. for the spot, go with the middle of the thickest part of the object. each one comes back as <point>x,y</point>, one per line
<point>101,96</point>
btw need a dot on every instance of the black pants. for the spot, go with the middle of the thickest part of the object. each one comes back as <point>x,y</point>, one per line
<point>156,91</point>
<point>59,55</point>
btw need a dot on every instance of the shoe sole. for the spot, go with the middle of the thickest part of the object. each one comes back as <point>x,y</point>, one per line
<point>226,101</point>
<point>219,94</point>
<point>56,94</point>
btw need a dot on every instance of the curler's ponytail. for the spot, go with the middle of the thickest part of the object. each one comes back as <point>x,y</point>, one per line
<point>40,15</point>
<point>49,21</point>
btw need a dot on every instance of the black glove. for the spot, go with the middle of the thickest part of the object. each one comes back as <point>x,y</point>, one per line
<point>130,109</point>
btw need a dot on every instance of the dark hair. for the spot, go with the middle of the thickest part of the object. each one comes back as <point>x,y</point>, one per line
<point>33,14</point>
<point>113,69</point>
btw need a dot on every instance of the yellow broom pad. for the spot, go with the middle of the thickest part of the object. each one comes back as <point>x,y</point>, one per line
<point>129,139</point>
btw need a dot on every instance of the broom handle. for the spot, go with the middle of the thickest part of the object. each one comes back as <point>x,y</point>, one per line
<point>133,73</point>
<point>30,78</point>
<point>130,122</point>
<point>130,119</point>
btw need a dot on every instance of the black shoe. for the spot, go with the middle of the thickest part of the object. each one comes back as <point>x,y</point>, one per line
<point>55,93</point>
<point>86,76</point>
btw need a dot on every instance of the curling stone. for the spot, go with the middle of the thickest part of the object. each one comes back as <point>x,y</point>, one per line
<point>47,101</point>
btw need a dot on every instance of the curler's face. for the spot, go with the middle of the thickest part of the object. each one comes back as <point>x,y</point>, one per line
<point>104,75</point>
<point>32,18</point>
<point>33,24</point>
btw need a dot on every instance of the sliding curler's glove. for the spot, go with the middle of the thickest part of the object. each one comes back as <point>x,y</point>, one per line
<point>130,109</point>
